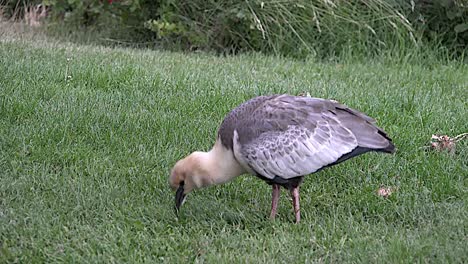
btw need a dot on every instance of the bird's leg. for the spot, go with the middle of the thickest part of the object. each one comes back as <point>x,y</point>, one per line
<point>274,200</point>
<point>297,210</point>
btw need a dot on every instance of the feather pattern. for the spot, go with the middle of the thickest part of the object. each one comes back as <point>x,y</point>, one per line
<point>288,136</point>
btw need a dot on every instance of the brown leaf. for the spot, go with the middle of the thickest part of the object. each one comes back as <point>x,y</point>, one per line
<point>385,192</point>
<point>446,143</point>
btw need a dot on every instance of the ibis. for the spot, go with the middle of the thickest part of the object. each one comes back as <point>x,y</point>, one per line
<point>280,139</point>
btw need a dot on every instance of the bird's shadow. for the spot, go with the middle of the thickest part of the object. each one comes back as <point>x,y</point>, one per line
<point>219,213</point>
<point>223,211</point>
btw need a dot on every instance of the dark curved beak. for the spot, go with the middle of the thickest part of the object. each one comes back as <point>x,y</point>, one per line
<point>179,197</point>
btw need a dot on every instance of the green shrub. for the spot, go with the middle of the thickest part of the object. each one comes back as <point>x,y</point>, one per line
<point>283,27</point>
<point>78,13</point>
<point>288,27</point>
<point>442,21</point>
<point>102,21</point>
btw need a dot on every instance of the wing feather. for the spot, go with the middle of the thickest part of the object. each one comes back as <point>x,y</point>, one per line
<point>289,136</point>
<point>290,155</point>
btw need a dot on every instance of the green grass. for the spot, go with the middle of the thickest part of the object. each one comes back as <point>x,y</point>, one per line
<point>84,161</point>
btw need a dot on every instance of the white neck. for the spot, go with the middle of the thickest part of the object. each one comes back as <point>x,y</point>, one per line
<point>222,164</point>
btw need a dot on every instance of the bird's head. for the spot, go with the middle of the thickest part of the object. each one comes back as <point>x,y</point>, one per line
<point>189,174</point>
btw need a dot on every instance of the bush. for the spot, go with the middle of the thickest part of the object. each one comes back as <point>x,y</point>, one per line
<point>101,21</point>
<point>443,21</point>
<point>283,27</point>
<point>289,27</point>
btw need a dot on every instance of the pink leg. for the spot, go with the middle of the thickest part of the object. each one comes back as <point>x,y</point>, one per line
<point>297,210</point>
<point>274,200</point>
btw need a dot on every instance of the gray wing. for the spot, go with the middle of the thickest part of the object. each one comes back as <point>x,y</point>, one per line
<point>238,117</point>
<point>295,136</point>
<point>298,151</point>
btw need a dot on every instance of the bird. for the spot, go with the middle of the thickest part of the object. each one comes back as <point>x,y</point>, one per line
<point>280,139</point>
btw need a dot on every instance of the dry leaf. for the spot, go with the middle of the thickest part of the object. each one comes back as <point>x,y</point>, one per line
<point>304,94</point>
<point>444,142</point>
<point>385,192</point>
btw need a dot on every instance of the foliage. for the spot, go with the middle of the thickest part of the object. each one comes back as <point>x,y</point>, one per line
<point>79,13</point>
<point>101,20</point>
<point>283,27</point>
<point>444,21</point>
<point>296,28</point>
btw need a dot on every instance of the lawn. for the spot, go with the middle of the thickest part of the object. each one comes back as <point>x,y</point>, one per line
<point>89,134</point>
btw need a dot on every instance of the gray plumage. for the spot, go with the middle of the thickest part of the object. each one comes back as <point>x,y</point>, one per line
<point>281,137</point>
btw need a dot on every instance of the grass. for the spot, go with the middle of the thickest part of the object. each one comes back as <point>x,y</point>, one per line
<point>88,135</point>
<point>294,28</point>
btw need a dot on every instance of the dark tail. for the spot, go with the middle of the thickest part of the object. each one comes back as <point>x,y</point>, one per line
<point>361,150</point>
